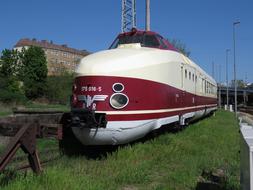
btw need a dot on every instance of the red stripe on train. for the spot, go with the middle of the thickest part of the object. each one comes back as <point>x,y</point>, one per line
<point>142,94</point>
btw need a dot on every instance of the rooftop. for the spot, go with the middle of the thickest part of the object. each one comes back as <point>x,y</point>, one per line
<point>49,45</point>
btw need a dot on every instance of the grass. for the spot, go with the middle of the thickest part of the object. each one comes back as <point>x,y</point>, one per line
<point>4,111</point>
<point>170,161</point>
<point>7,109</point>
<point>38,106</point>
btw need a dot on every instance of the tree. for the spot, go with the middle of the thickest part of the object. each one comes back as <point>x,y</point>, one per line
<point>10,90</point>
<point>240,83</point>
<point>180,46</point>
<point>34,72</point>
<point>9,64</point>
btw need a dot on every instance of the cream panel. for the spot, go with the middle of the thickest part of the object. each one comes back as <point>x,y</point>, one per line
<point>145,63</point>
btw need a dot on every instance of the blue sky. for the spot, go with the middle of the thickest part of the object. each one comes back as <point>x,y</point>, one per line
<point>205,26</point>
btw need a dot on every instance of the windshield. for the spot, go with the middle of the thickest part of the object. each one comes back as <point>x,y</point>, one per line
<point>145,40</point>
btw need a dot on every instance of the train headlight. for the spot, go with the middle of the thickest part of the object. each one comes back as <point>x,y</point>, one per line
<point>119,100</point>
<point>118,87</point>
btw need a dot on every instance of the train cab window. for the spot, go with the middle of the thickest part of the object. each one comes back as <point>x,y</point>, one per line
<point>190,75</point>
<point>162,44</point>
<point>114,44</point>
<point>146,40</point>
<point>151,41</point>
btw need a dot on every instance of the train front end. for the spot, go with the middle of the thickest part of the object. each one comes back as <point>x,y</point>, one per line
<point>113,87</point>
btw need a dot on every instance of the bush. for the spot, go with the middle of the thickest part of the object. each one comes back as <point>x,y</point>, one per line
<point>8,97</point>
<point>10,91</point>
<point>59,88</point>
<point>34,89</point>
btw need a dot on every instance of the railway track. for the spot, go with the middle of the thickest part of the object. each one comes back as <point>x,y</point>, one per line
<point>19,163</point>
<point>248,110</point>
<point>24,128</point>
<point>43,163</point>
<point>246,115</point>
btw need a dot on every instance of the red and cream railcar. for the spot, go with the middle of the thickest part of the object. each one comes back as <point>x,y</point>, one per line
<point>138,85</point>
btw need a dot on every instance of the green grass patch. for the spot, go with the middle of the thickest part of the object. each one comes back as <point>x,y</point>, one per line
<point>170,161</point>
<point>8,109</point>
<point>38,106</point>
<point>5,113</point>
<point>4,110</point>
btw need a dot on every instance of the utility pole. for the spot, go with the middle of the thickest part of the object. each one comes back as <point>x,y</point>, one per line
<point>147,15</point>
<point>220,85</point>
<point>213,70</point>
<point>128,15</point>
<point>227,51</point>
<point>235,82</point>
<point>244,91</point>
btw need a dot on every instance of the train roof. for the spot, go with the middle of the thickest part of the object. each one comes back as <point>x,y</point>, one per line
<point>145,38</point>
<point>161,43</point>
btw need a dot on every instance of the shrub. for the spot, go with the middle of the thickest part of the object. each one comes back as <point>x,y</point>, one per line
<point>10,91</point>
<point>59,88</point>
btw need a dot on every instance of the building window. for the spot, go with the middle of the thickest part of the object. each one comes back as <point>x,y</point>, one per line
<point>185,73</point>
<point>190,75</point>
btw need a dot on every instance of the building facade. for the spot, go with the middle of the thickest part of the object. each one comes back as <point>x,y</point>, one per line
<point>60,58</point>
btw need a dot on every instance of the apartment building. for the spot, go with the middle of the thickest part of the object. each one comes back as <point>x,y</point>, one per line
<point>60,58</point>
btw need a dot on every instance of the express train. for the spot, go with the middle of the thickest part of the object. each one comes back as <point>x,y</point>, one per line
<point>138,85</point>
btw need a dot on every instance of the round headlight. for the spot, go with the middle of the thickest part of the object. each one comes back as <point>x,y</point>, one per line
<point>119,100</point>
<point>118,87</point>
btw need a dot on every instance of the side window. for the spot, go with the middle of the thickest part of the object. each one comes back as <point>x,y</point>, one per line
<point>185,73</point>
<point>182,76</point>
<point>190,75</point>
<point>205,86</point>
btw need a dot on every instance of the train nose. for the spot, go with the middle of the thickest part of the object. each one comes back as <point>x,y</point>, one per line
<point>112,61</point>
